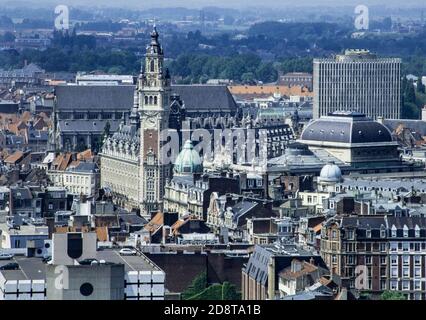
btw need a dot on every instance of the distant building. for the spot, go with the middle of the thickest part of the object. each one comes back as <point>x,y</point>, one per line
<point>391,249</point>
<point>352,138</point>
<point>301,79</point>
<point>77,173</point>
<point>358,81</point>
<point>261,274</point>
<point>81,113</point>
<point>83,79</point>
<point>29,75</point>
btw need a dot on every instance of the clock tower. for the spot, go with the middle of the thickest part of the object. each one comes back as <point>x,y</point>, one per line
<point>153,91</point>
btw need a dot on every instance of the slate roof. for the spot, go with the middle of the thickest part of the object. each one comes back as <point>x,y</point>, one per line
<point>385,184</point>
<point>242,208</point>
<point>21,193</point>
<point>206,98</point>
<point>411,222</point>
<point>364,222</point>
<point>257,266</point>
<point>86,125</point>
<point>70,97</point>
<point>346,128</point>
<point>197,98</point>
<point>132,218</point>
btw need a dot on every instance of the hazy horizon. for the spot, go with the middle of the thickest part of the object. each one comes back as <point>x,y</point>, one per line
<point>237,4</point>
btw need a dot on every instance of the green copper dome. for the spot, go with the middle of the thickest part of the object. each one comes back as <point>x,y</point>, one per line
<point>188,161</point>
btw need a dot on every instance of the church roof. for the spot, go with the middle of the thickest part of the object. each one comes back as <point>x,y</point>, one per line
<point>94,126</point>
<point>206,98</point>
<point>70,97</point>
<point>197,98</point>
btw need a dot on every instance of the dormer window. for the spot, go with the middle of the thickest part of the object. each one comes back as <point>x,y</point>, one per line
<point>382,232</point>
<point>368,233</point>
<point>405,231</point>
<point>417,231</point>
<point>393,231</point>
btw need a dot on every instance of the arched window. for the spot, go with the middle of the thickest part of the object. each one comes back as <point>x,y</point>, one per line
<point>146,99</point>
<point>155,100</point>
<point>152,66</point>
<point>150,99</point>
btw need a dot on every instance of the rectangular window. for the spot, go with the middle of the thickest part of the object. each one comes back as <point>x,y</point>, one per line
<point>394,285</point>
<point>368,259</point>
<point>406,272</point>
<point>394,259</point>
<point>417,285</point>
<point>417,272</point>
<point>394,272</point>
<point>417,247</point>
<point>417,260</point>
<point>405,260</point>
<point>405,285</point>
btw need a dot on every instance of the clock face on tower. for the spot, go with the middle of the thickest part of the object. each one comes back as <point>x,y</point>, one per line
<point>150,119</point>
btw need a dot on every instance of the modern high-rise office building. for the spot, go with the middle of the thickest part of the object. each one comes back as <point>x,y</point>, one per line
<point>358,81</point>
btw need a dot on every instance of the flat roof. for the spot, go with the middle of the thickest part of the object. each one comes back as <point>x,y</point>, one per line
<point>35,269</point>
<point>131,263</point>
<point>30,269</point>
<point>25,230</point>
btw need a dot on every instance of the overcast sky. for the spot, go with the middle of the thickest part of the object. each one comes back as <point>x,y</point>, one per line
<point>145,4</point>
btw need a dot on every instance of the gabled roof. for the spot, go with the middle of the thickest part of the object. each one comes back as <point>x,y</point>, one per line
<point>14,157</point>
<point>180,223</point>
<point>306,268</point>
<point>155,223</point>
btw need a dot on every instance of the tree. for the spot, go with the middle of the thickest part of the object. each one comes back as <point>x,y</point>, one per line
<point>198,285</point>
<point>266,73</point>
<point>410,111</point>
<point>248,78</point>
<point>420,86</point>
<point>410,93</point>
<point>200,290</point>
<point>392,295</point>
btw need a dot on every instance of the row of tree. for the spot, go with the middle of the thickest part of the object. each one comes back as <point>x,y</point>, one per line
<point>413,98</point>
<point>246,68</point>
<point>200,289</point>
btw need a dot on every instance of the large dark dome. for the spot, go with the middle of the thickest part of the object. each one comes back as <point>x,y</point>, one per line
<point>346,127</point>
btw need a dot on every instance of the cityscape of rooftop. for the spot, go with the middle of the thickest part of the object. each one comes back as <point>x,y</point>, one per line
<point>199,151</point>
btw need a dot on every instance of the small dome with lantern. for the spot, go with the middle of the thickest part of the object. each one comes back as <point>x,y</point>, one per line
<point>188,161</point>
